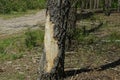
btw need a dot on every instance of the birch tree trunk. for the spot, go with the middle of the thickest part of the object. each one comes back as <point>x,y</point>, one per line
<point>52,60</point>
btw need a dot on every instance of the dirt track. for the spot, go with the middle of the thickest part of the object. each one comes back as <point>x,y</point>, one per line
<point>15,25</point>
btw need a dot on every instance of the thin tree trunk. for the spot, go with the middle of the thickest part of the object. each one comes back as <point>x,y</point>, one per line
<point>87,3</point>
<point>95,4</point>
<point>83,4</point>
<point>118,5</point>
<point>106,8</point>
<point>98,2</point>
<point>91,4</point>
<point>110,3</point>
<point>52,60</point>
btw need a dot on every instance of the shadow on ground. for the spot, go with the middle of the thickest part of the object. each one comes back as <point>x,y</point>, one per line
<point>84,15</point>
<point>100,68</point>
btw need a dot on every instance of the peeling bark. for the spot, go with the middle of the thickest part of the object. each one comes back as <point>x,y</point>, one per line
<point>52,60</point>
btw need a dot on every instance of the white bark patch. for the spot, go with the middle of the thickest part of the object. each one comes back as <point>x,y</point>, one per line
<point>51,46</point>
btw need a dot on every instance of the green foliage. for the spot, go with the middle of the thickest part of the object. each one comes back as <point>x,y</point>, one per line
<point>13,48</point>
<point>14,76</point>
<point>30,39</point>
<point>101,3</point>
<point>10,56</point>
<point>17,14</point>
<point>84,38</point>
<point>114,37</point>
<point>33,38</point>
<point>4,44</point>
<point>4,55</point>
<point>20,76</point>
<point>8,6</point>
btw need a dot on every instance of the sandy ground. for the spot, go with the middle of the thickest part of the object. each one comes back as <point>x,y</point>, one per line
<point>15,25</point>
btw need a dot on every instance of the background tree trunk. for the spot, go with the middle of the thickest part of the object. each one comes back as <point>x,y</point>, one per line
<point>71,26</point>
<point>95,4</point>
<point>98,2</point>
<point>106,7</point>
<point>118,5</point>
<point>87,4</point>
<point>110,3</point>
<point>52,60</point>
<point>91,4</point>
<point>83,4</point>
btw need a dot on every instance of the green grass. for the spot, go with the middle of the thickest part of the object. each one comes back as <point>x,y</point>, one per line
<point>33,38</point>
<point>4,43</point>
<point>14,47</point>
<point>5,56</point>
<point>114,36</point>
<point>84,38</point>
<point>17,14</point>
<point>9,6</point>
<point>15,76</point>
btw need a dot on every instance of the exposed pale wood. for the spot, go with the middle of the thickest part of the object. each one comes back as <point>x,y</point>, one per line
<point>52,59</point>
<point>51,46</point>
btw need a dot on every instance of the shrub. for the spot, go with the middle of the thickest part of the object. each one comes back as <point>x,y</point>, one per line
<point>34,38</point>
<point>7,6</point>
<point>30,39</point>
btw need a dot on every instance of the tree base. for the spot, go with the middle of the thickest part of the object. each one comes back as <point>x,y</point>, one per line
<point>50,76</point>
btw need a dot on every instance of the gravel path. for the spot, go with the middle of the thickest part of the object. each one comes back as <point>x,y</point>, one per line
<point>16,25</point>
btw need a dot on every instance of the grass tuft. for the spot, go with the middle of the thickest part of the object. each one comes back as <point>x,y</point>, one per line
<point>14,47</point>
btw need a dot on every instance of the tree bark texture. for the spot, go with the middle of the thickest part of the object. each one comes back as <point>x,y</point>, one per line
<point>52,59</point>
<point>71,26</point>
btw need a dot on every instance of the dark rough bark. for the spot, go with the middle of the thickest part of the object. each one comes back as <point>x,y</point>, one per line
<point>71,24</point>
<point>58,11</point>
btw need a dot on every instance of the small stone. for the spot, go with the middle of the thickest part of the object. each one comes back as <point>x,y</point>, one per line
<point>21,72</point>
<point>34,60</point>
<point>9,62</point>
<point>17,68</point>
